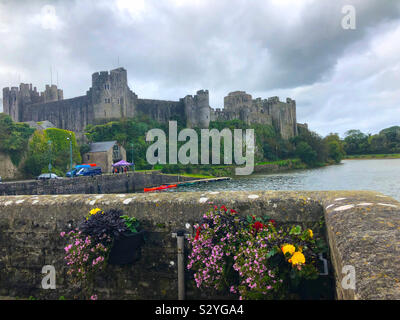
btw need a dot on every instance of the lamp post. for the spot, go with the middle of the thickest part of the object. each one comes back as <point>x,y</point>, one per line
<point>133,165</point>
<point>70,153</point>
<point>49,142</point>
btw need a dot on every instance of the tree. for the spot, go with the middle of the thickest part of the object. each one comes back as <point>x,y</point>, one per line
<point>37,161</point>
<point>335,147</point>
<point>356,142</point>
<point>14,138</point>
<point>306,153</point>
<point>314,141</point>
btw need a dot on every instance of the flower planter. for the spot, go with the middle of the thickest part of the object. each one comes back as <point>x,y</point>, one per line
<point>127,249</point>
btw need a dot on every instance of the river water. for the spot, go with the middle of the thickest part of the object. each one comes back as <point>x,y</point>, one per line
<point>379,175</point>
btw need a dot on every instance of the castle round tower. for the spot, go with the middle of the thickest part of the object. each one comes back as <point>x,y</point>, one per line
<point>202,112</point>
<point>197,110</point>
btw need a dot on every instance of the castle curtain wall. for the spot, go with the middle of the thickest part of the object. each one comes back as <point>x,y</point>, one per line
<point>161,110</point>
<point>110,98</point>
<point>70,114</point>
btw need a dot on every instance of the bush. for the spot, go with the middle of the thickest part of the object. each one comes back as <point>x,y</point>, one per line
<point>40,152</point>
<point>14,138</point>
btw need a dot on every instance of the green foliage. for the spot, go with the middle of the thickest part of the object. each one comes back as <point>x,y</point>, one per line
<point>387,141</point>
<point>40,152</point>
<point>296,230</point>
<point>14,138</point>
<point>310,147</point>
<point>131,223</point>
<point>356,142</point>
<point>306,153</point>
<point>307,146</point>
<point>335,147</point>
<point>84,148</point>
<point>127,132</point>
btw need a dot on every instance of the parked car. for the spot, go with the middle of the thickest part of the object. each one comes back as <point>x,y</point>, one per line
<point>91,171</point>
<point>74,171</point>
<point>47,176</point>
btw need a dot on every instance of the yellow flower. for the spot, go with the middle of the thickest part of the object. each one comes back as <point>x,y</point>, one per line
<point>297,258</point>
<point>310,233</point>
<point>94,211</point>
<point>288,248</point>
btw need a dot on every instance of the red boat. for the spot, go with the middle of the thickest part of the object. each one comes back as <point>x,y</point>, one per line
<point>163,187</point>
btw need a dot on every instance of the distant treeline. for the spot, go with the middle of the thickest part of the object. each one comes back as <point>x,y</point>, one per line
<point>386,141</point>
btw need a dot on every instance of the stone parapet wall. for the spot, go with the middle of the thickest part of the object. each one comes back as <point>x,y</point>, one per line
<point>364,233</point>
<point>363,230</point>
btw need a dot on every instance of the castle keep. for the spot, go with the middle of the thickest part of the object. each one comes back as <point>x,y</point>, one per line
<point>110,98</point>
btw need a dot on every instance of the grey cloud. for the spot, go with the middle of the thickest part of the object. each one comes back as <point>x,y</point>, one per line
<point>172,50</point>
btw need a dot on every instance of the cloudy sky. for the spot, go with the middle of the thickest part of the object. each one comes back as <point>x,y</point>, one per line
<point>341,78</point>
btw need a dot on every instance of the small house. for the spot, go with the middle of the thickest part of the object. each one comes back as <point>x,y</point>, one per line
<point>105,154</point>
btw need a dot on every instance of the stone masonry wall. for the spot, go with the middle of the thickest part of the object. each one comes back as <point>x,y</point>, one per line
<point>30,228</point>
<point>362,232</point>
<point>106,183</point>
<point>70,114</point>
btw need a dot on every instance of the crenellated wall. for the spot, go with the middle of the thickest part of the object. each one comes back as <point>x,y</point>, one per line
<point>110,98</point>
<point>271,111</point>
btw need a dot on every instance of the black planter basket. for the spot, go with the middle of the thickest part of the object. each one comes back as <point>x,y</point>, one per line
<point>127,249</point>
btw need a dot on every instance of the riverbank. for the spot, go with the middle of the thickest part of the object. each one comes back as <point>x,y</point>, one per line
<point>210,171</point>
<point>373,156</point>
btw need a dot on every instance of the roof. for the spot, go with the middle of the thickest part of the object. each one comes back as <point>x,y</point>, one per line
<point>102,146</point>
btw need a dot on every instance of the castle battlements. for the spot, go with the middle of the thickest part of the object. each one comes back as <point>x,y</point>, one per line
<point>110,98</point>
<point>271,111</point>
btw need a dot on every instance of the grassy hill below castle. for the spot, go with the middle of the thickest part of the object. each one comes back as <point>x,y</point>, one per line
<point>308,146</point>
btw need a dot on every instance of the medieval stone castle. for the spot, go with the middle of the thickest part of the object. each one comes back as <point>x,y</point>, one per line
<point>110,98</point>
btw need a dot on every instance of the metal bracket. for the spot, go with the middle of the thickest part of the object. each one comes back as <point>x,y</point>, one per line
<point>180,233</point>
<point>325,273</point>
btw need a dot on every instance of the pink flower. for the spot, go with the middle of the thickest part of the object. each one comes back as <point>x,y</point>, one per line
<point>62,234</point>
<point>94,297</point>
